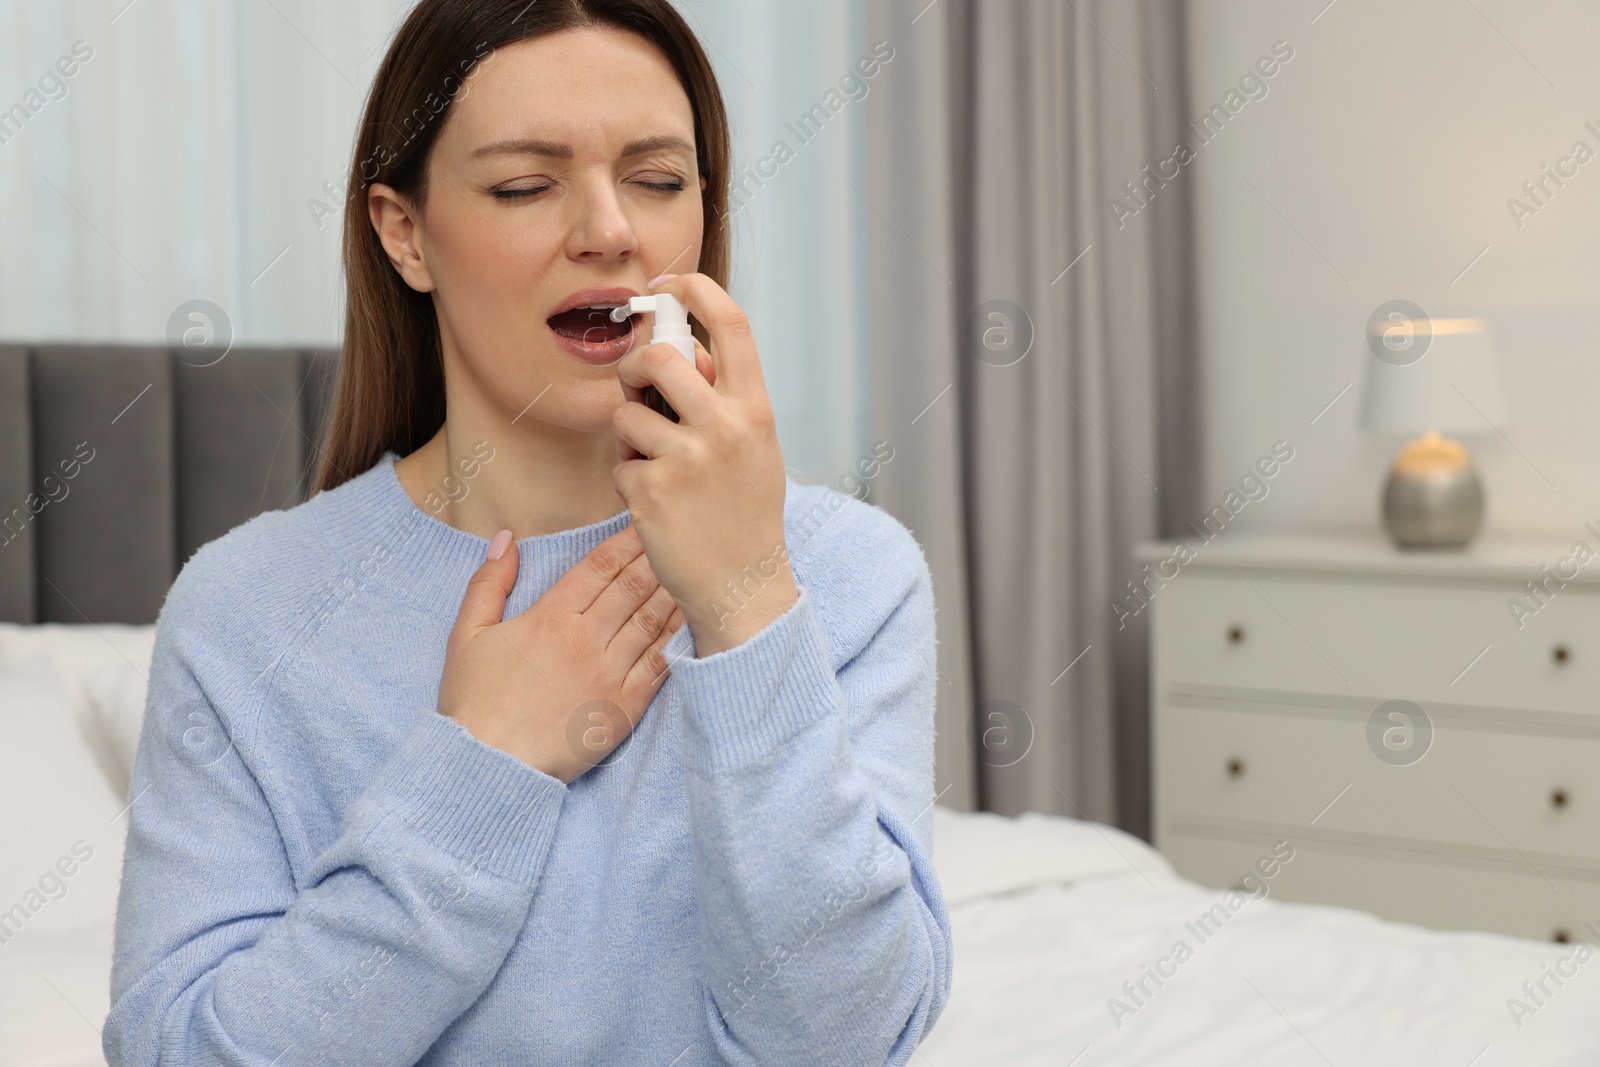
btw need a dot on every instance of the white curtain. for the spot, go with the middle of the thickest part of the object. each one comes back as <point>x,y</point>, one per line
<point>181,159</point>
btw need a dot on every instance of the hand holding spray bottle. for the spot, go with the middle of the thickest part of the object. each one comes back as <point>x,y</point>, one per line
<point>671,327</point>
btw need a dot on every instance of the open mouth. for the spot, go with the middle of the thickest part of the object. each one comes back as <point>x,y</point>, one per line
<point>591,325</point>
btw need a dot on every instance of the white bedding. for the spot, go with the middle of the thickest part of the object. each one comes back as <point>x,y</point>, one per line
<point>1050,917</point>
<point>1280,984</point>
<point>54,994</point>
<point>69,698</point>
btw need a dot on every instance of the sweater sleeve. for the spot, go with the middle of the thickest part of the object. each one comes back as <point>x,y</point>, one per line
<point>823,928</point>
<point>223,957</point>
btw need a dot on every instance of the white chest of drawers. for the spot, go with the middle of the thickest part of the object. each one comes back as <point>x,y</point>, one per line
<point>1470,802</point>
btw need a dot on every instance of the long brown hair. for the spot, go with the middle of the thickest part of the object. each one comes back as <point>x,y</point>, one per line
<point>390,392</point>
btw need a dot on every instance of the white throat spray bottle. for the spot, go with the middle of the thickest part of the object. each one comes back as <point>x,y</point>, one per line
<point>671,327</point>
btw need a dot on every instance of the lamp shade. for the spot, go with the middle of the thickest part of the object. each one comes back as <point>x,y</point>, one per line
<point>1453,386</point>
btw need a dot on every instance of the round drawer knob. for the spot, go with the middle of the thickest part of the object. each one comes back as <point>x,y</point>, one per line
<point>1236,768</point>
<point>1560,936</point>
<point>1558,798</point>
<point>1560,654</point>
<point>1236,634</point>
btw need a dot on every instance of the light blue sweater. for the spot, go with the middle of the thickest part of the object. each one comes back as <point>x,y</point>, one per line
<point>321,868</point>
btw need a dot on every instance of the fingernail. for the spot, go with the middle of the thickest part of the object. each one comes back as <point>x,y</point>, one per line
<point>497,547</point>
<point>653,282</point>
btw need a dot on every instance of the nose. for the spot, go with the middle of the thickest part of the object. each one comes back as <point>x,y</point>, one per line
<point>601,229</point>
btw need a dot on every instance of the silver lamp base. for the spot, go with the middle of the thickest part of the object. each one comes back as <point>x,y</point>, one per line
<point>1433,509</point>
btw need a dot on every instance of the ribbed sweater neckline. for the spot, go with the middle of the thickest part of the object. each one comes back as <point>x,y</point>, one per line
<point>372,522</point>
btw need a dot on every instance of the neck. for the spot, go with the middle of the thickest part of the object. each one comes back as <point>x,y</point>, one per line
<point>535,479</point>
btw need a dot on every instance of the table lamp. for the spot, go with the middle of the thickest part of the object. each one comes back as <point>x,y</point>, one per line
<point>1430,377</point>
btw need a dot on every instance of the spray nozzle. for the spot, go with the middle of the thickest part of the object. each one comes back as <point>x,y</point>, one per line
<point>672,320</point>
<point>669,310</point>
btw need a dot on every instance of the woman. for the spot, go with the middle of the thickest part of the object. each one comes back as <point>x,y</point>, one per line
<point>550,730</point>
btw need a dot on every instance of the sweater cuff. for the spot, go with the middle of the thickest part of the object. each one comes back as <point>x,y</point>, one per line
<point>743,702</point>
<point>477,803</point>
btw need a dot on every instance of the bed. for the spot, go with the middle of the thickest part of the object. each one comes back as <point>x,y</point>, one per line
<point>1066,932</point>
<point>1052,916</point>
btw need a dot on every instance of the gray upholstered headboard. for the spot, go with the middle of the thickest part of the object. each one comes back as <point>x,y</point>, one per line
<point>118,461</point>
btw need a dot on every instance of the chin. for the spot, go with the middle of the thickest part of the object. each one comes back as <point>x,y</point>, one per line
<point>585,405</point>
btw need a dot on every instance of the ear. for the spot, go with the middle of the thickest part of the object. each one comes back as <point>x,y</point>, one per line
<point>703,182</point>
<point>400,232</point>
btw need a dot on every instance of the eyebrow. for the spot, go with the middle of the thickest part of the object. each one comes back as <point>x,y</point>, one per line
<point>534,147</point>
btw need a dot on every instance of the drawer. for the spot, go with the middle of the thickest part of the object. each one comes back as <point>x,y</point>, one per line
<point>1439,896</point>
<point>1527,796</point>
<point>1387,638</point>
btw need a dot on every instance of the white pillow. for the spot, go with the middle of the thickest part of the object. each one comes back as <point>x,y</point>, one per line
<point>61,840</point>
<point>103,668</point>
<point>78,652</point>
<point>117,697</point>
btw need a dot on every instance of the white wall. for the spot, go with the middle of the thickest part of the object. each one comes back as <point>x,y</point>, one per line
<point>1391,142</point>
<point>180,162</point>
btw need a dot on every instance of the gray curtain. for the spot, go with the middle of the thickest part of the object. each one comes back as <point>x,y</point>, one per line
<point>1034,372</point>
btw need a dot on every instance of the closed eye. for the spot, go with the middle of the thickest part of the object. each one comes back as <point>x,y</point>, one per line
<point>673,186</point>
<point>517,194</point>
